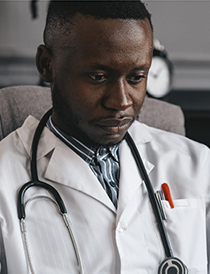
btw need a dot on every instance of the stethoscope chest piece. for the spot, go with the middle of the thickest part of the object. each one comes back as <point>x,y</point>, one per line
<point>172,266</point>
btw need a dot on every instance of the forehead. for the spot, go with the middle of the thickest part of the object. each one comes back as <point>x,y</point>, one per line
<point>91,38</point>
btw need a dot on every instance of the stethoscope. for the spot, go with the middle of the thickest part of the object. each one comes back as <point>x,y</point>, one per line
<point>171,265</point>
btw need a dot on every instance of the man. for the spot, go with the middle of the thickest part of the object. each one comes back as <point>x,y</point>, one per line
<point>96,58</point>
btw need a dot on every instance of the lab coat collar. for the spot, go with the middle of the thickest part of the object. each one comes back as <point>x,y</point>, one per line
<point>140,133</point>
<point>141,136</point>
<point>76,172</point>
<point>26,133</point>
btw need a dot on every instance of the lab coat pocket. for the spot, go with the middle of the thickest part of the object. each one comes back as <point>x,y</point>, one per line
<point>186,228</point>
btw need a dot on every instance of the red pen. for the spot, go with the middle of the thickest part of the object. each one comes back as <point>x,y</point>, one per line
<point>167,193</point>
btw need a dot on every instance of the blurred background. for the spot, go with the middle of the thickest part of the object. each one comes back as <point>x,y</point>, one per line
<point>182,27</point>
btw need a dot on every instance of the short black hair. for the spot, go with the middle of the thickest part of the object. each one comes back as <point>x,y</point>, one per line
<point>62,12</point>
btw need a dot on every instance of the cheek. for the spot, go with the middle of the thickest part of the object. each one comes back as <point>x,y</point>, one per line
<point>138,98</point>
<point>81,99</point>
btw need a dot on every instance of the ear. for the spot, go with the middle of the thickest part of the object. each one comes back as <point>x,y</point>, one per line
<point>44,63</point>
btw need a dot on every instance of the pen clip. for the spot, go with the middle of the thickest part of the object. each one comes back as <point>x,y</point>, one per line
<point>167,193</point>
<point>160,197</point>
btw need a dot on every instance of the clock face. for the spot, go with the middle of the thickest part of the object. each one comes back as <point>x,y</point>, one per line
<point>159,77</point>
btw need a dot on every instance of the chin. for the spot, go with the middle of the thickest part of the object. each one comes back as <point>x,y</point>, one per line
<point>109,140</point>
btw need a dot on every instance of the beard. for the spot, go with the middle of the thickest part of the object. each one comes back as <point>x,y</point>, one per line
<point>65,114</point>
<point>62,109</point>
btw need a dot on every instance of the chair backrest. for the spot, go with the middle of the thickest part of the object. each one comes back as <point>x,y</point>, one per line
<point>17,102</point>
<point>163,115</point>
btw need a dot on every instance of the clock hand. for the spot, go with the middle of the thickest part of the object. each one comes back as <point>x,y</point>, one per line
<point>154,75</point>
<point>159,71</point>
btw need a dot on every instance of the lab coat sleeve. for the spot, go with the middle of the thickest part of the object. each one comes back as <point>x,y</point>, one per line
<point>206,172</point>
<point>208,230</point>
<point>208,236</point>
<point>3,263</point>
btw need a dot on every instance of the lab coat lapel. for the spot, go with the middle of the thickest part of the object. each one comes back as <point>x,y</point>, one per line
<point>130,177</point>
<point>64,167</point>
<point>67,168</point>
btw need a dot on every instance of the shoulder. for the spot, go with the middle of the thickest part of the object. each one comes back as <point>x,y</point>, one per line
<point>15,149</point>
<point>14,160</point>
<point>20,139</point>
<point>164,141</point>
<point>15,155</point>
<point>176,159</point>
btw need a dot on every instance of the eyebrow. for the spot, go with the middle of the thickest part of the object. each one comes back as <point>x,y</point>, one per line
<point>104,67</point>
<point>143,67</point>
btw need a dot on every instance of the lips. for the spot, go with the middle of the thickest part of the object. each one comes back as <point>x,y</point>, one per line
<point>114,125</point>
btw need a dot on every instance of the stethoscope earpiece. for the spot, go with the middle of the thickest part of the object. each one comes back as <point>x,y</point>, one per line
<point>172,266</point>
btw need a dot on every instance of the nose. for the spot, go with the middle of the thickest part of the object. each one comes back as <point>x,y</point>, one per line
<point>117,96</point>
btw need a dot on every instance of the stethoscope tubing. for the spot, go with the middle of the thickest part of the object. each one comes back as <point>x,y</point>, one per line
<point>49,188</point>
<point>35,182</point>
<point>35,143</point>
<point>152,196</point>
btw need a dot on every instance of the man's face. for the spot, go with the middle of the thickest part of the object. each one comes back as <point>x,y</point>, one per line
<point>99,75</point>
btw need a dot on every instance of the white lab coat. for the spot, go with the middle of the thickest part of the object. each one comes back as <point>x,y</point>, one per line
<point>110,241</point>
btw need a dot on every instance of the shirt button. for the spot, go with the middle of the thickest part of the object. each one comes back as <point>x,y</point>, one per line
<point>102,151</point>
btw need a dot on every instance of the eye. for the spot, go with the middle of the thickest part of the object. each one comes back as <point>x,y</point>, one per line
<point>99,77</point>
<point>135,79</point>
